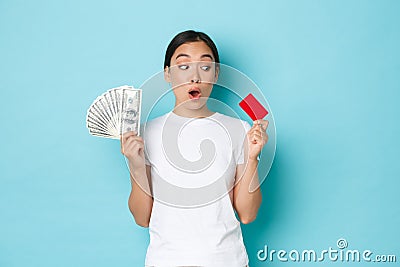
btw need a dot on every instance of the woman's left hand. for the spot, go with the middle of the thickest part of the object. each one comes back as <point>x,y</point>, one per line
<point>257,137</point>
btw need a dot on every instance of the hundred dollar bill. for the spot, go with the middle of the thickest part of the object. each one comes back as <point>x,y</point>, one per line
<point>131,106</point>
<point>115,112</point>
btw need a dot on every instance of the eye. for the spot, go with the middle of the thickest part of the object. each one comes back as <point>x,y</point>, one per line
<point>205,68</point>
<point>183,67</point>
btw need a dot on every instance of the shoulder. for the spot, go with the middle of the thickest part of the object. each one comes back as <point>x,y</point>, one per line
<point>153,125</point>
<point>233,123</point>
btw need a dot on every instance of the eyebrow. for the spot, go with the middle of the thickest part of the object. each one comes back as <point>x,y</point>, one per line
<point>207,55</point>
<point>182,55</point>
<point>202,56</point>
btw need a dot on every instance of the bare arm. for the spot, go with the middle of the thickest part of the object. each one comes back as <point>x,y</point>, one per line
<point>140,199</point>
<point>247,203</point>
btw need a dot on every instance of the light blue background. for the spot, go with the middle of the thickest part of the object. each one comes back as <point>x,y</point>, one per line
<point>329,69</point>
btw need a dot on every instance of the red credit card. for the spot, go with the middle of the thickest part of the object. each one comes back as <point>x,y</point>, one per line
<point>253,108</point>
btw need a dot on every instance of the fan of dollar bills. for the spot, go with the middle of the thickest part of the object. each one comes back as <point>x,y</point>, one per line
<point>115,112</point>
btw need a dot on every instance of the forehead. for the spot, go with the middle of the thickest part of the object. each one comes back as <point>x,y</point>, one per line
<point>194,50</point>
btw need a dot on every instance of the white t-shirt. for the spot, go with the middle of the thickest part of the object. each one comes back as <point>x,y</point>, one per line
<point>193,165</point>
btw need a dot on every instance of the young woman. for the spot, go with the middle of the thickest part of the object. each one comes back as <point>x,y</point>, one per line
<point>185,189</point>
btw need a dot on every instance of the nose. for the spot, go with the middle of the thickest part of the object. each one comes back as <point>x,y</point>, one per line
<point>195,75</point>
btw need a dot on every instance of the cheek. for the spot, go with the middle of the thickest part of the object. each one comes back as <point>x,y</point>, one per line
<point>208,80</point>
<point>207,89</point>
<point>208,77</point>
<point>178,78</point>
<point>179,93</point>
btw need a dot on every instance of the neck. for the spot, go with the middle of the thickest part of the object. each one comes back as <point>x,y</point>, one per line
<point>193,113</point>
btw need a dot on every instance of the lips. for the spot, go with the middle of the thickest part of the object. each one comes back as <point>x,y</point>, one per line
<point>194,93</point>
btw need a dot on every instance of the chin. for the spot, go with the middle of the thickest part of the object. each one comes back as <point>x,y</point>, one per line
<point>195,104</point>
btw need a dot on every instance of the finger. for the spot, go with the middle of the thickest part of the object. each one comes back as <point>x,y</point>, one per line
<point>127,135</point>
<point>132,138</point>
<point>262,123</point>
<point>132,148</point>
<point>137,145</point>
<point>257,130</point>
<point>265,138</point>
<point>256,140</point>
<point>261,139</point>
<point>137,150</point>
<point>256,137</point>
<point>135,138</point>
<point>253,128</point>
<point>127,145</point>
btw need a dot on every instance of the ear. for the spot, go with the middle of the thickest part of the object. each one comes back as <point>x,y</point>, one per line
<point>216,72</point>
<point>167,75</point>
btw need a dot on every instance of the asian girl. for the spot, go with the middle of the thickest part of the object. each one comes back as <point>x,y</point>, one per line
<point>193,223</point>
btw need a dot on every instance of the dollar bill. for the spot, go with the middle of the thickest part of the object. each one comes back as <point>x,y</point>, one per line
<point>131,106</point>
<point>115,112</point>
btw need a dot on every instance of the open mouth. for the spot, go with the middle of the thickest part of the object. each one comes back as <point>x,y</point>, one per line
<point>194,93</point>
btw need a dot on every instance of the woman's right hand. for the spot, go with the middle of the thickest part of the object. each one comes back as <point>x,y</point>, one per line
<point>132,146</point>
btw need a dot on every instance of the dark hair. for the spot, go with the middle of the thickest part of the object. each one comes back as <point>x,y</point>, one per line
<point>187,37</point>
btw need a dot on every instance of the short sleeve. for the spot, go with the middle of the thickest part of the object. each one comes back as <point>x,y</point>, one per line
<point>246,128</point>
<point>146,159</point>
<point>144,135</point>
